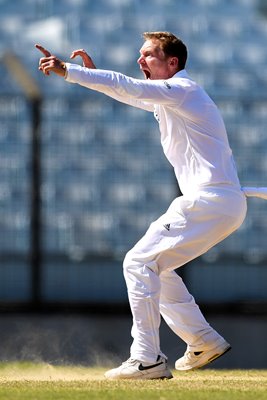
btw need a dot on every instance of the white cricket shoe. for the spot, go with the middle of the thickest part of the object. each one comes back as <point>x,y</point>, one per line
<point>193,360</point>
<point>134,369</point>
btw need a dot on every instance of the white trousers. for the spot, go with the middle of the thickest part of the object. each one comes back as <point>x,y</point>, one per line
<point>190,227</point>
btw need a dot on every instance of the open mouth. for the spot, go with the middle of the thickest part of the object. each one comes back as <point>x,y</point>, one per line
<point>146,73</point>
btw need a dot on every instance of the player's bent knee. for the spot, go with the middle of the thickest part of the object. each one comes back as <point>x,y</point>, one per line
<point>132,267</point>
<point>128,263</point>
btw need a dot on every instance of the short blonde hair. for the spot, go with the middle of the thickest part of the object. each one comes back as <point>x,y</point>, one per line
<point>170,45</point>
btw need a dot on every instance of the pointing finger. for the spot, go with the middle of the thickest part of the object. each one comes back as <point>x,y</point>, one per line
<point>43,50</point>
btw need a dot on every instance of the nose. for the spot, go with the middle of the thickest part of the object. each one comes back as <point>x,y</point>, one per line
<point>140,60</point>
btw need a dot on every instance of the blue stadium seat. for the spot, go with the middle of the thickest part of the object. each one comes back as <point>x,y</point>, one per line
<point>104,176</point>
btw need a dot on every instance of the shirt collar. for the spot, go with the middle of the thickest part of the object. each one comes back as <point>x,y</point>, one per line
<point>181,74</point>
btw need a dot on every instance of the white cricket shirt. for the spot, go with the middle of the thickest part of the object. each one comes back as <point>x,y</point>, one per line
<point>193,134</point>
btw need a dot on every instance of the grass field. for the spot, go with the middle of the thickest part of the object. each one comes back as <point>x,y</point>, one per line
<point>29,381</point>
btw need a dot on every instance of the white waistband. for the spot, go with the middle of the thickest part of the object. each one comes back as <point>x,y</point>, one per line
<point>255,192</point>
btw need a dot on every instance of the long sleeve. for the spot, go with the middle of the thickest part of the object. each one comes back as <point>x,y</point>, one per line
<point>136,92</point>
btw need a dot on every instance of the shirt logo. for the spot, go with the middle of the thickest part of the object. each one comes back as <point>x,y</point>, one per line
<point>167,226</point>
<point>168,86</point>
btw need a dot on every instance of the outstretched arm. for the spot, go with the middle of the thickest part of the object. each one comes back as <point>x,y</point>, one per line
<point>110,83</point>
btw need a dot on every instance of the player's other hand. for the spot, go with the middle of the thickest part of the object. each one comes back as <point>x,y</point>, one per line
<point>50,63</point>
<point>87,61</point>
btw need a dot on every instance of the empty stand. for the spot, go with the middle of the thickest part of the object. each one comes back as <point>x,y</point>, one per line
<point>104,177</point>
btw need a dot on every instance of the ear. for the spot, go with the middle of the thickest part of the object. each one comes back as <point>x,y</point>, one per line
<point>174,62</point>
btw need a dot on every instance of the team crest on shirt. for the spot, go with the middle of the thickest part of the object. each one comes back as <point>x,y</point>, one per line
<point>168,86</point>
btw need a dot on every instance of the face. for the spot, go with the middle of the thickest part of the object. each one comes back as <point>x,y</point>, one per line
<point>153,62</point>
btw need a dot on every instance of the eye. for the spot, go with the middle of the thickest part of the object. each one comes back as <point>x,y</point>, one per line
<point>147,54</point>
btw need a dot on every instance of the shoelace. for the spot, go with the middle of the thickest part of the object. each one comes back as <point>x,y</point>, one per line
<point>132,361</point>
<point>191,354</point>
<point>129,361</point>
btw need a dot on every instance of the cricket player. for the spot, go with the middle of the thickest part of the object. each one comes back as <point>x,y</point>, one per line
<point>212,205</point>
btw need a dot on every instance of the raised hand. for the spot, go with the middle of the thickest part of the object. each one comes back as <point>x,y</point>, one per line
<point>50,62</point>
<point>87,61</point>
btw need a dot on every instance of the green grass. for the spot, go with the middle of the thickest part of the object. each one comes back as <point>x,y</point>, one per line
<point>27,381</point>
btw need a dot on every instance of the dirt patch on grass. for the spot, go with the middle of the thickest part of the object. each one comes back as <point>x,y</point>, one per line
<point>47,372</point>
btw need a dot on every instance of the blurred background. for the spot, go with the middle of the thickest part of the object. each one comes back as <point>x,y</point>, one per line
<point>82,176</point>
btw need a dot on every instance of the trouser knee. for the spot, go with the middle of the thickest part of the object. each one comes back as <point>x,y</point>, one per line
<point>135,265</point>
<point>129,265</point>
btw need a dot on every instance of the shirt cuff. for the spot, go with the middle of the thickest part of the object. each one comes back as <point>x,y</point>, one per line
<point>67,71</point>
